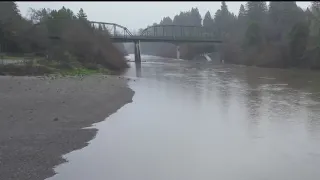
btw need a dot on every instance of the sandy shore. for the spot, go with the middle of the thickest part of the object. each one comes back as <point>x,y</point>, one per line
<point>41,119</point>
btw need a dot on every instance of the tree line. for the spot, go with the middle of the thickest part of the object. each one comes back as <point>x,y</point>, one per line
<point>278,34</point>
<point>189,18</point>
<point>60,35</point>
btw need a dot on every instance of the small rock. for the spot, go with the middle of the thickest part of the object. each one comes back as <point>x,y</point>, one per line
<point>55,119</point>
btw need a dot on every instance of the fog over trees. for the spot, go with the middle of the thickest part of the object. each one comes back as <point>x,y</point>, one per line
<point>279,34</point>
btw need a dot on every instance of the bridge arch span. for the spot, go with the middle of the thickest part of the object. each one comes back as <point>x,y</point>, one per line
<point>175,34</point>
<point>158,30</point>
<point>113,28</point>
<point>178,31</point>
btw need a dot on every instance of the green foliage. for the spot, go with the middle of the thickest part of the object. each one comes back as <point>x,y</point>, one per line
<point>298,42</point>
<point>256,11</point>
<point>188,18</point>
<point>278,35</point>
<point>78,72</point>
<point>223,21</point>
<point>208,21</point>
<point>283,16</point>
<point>22,70</point>
<point>60,35</point>
<point>166,21</point>
<point>82,15</point>
<point>242,12</point>
<point>314,16</point>
<point>254,35</point>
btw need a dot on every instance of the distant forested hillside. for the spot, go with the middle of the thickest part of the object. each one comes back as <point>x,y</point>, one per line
<point>279,34</point>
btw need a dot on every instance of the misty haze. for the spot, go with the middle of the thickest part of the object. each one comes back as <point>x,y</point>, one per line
<point>159,90</point>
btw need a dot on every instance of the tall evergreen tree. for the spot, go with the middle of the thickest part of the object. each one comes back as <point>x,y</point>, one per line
<point>195,17</point>
<point>315,18</point>
<point>284,15</point>
<point>242,12</point>
<point>256,11</point>
<point>223,20</point>
<point>207,20</point>
<point>82,15</point>
<point>298,42</point>
<point>166,21</point>
<point>254,35</point>
<point>224,9</point>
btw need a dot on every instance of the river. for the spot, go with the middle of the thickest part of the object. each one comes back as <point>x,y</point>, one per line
<point>200,121</point>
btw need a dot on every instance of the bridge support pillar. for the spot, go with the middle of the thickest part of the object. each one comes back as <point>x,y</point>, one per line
<point>137,54</point>
<point>178,52</point>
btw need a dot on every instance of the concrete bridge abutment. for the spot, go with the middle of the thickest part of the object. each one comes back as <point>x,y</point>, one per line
<point>178,51</point>
<point>137,52</point>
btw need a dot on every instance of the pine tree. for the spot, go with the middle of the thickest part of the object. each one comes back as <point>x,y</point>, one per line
<point>315,6</point>
<point>241,17</point>
<point>283,16</point>
<point>314,16</point>
<point>256,11</point>
<point>240,24</point>
<point>298,42</point>
<point>195,17</point>
<point>82,15</point>
<point>253,35</point>
<point>223,20</point>
<point>9,11</point>
<point>207,20</point>
<point>224,9</point>
<point>166,21</point>
<point>242,12</point>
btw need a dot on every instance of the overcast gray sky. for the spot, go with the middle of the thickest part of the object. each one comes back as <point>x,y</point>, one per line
<point>134,15</point>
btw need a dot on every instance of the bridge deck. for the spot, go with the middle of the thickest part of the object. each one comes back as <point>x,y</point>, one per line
<point>164,39</point>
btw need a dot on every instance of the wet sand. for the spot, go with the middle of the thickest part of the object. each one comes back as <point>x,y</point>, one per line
<point>42,119</point>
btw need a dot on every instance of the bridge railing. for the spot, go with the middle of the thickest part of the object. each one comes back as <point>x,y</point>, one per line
<point>167,31</point>
<point>166,35</point>
<point>179,31</point>
<point>202,35</point>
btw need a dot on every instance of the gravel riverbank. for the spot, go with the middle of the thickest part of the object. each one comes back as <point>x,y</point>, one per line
<point>42,119</point>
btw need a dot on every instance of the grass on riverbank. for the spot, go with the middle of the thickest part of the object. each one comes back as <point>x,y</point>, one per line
<point>19,57</point>
<point>82,72</point>
<point>12,58</point>
<point>40,68</point>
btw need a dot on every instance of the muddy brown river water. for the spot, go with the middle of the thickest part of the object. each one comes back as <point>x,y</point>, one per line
<point>200,121</point>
